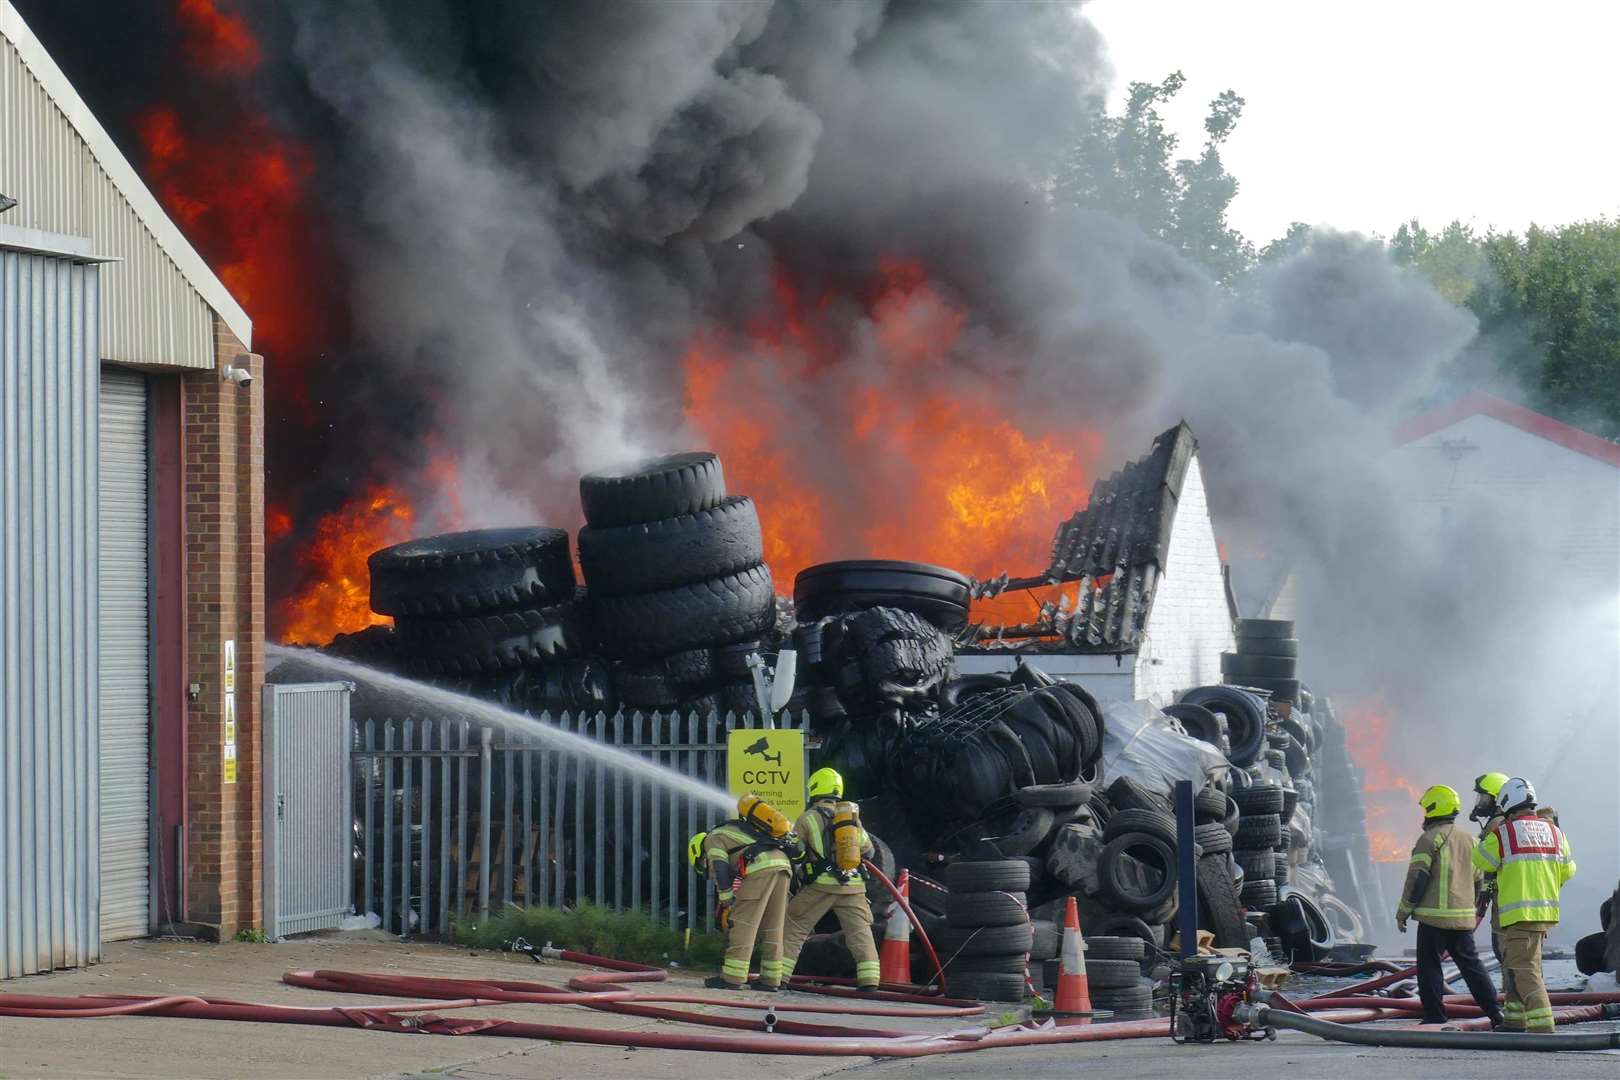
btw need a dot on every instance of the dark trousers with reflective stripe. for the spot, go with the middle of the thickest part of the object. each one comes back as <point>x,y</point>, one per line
<point>1432,943</point>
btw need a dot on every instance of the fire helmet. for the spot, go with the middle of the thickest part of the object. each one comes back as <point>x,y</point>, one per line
<point>826,784</point>
<point>1490,783</point>
<point>694,849</point>
<point>1440,801</point>
<point>1515,794</point>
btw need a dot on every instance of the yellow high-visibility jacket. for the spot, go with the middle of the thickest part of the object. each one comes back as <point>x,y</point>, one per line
<point>1531,860</point>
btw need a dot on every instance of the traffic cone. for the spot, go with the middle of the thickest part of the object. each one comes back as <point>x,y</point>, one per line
<point>895,953</point>
<point>1073,988</point>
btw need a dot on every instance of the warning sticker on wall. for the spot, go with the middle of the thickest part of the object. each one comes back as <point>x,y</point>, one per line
<point>769,764</point>
<point>230,763</point>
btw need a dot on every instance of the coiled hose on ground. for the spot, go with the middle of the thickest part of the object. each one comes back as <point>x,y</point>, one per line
<point>1265,1016</point>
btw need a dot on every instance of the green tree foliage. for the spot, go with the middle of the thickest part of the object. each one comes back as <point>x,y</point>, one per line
<point>1548,305</point>
<point>1126,165</point>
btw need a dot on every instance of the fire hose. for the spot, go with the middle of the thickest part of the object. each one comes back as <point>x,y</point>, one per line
<point>1265,1016</point>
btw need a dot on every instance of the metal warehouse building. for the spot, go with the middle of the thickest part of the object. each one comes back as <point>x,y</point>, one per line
<point>131,549</point>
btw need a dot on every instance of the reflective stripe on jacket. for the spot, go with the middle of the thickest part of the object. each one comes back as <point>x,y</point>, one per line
<point>1443,852</point>
<point>814,827</point>
<point>721,848</point>
<point>1531,860</point>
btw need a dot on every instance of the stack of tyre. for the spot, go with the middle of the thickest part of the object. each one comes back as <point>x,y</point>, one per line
<point>493,612</point>
<point>989,941</point>
<point>1266,658</point>
<point>678,592</point>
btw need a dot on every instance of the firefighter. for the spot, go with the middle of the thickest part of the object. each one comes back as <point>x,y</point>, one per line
<point>834,845</point>
<point>1531,860</point>
<point>1439,894</point>
<point>750,861</point>
<point>1485,811</point>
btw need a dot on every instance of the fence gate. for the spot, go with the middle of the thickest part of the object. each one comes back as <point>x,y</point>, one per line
<point>307,797</point>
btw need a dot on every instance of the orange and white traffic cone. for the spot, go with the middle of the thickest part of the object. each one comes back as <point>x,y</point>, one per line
<point>895,953</point>
<point>1073,988</point>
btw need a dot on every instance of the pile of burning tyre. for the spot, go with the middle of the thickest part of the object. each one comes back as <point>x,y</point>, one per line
<point>997,779</point>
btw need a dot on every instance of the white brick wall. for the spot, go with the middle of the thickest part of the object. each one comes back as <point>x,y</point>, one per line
<point>1190,625</point>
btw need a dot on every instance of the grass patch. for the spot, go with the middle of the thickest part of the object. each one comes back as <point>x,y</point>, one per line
<point>622,935</point>
<point>251,934</point>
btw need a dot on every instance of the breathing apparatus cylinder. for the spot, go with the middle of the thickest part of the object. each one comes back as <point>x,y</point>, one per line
<point>846,835</point>
<point>762,815</point>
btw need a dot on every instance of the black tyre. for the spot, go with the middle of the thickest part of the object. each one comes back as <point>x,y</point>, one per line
<point>937,594</point>
<point>1125,1001</point>
<point>723,610</point>
<point>1256,864</point>
<point>1120,924</point>
<point>1236,665</point>
<point>690,667</point>
<point>1590,953</point>
<point>971,909</point>
<point>1209,805</point>
<point>1606,912</point>
<point>1212,839</point>
<point>1281,689</point>
<point>1010,964</point>
<point>1260,894</point>
<point>986,986</point>
<point>1010,875</point>
<point>1259,799</point>
<point>1113,974</point>
<point>1028,831</point>
<point>652,489</point>
<point>721,540</point>
<point>1259,831</point>
<point>1153,822</point>
<point>459,574</point>
<point>1046,940</point>
<point>1053,796</point>
<point>1245,717</point>
<point>1258,646</point>
<point>1265,628</point>
<point>1127,889</point>
<point>510,639</point>
<point>1198,722</point>
<point>963,687</point>
<point>986,940</point>
<point>1133,949</point>
<point>1220,910</point>
<point>1127,794</point>
<point>645,687</point>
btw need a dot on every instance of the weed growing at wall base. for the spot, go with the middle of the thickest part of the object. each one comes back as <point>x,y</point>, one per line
<point>623,935</point>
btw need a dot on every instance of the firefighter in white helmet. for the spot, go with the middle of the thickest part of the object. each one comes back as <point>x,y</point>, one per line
<point>834,844</point>
<point>1530,857</point>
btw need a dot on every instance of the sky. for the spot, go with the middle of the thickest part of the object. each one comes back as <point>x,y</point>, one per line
<point>1362,115</point>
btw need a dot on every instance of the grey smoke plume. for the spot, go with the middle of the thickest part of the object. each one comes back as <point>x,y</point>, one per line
<point>552,198</point>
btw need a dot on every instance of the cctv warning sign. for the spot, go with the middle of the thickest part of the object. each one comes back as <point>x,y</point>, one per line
<point>769,764</point>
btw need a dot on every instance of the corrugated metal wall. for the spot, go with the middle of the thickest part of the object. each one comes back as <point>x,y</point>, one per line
<point>126,713</point>
<point>150,313</point>
<point>49,613</point>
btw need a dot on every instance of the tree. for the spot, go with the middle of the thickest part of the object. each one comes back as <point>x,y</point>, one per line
<point>1453,259</point>
<point>1124,164</point>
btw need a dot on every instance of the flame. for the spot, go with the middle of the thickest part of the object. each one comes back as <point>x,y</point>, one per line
<point>907,456</point>
<point>1392,814</point>
<point>338,598</point>
<point>215,41</point>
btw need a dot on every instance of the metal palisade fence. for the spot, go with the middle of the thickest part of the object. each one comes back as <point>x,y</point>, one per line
<point>453,819</point>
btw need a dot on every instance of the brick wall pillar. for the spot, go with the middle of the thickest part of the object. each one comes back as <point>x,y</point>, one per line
<point>224,551</point>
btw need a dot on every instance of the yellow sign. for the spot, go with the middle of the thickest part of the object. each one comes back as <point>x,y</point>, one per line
<point>769,764</point>
<point>230,763</point>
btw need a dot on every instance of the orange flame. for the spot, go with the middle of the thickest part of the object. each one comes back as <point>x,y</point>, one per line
<point>922,463</point>
<point>1392,814</point>
<point>338,598</point>
<point>216,41</point>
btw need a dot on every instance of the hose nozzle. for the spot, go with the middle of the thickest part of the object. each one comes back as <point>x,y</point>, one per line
<point>550,953</point>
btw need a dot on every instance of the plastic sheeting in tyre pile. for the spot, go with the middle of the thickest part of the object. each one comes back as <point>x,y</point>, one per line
<point>968,764</point>
<point>679,593</point>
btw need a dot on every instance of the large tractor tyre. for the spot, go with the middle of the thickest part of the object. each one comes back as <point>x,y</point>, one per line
<point>655,555</point>
<point>1260,646</point>
<point>938,594</point>
<point>1010,875</point>
<point>1265,628</point>
<point>652,490</point>
<point>1280,689</point>
<point>720,611</point>
<point>511,639</point>
<point>1237,666</point>
<point>466,573</point>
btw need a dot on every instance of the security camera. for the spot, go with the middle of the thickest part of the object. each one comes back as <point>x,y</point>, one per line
<point>239,376</point>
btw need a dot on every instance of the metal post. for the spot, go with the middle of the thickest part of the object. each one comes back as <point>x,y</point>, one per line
<point>1187,878</point>
<point>486,777</point>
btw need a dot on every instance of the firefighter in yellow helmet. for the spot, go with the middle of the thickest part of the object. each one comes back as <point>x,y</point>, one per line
<point>834,845</point>
<point>1439,894</point>
<point>1530,857</point>
<point>1486,787</point>
<point>751,865</point>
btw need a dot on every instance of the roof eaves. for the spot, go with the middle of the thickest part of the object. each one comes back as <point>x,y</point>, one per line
<point>1525,419</point>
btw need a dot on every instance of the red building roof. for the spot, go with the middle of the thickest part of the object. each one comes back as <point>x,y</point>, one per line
<point>1481,404</point>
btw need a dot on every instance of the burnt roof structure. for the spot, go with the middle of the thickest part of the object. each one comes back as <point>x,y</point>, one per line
<point>1115,549</point>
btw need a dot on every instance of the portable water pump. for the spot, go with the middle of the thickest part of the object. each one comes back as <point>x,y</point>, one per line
<point>1205,992</point>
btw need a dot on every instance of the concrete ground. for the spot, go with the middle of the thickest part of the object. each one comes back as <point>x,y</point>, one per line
<point>145,1047</point>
